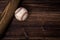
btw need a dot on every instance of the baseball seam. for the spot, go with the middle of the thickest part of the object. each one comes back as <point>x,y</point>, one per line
<point>18,10</point>
<point>23,15</point>
<point>21,18</point>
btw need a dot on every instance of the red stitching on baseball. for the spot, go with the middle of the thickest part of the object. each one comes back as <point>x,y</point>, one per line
<point>23,15</point>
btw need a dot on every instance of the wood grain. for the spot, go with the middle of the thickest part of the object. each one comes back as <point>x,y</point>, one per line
<point>7,13</point>
<point>43,22</point>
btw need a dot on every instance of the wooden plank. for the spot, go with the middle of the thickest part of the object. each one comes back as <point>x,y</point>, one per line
<point>34,38</point>
<point>6,15</point>
<point>43,22</point>
<point>3,4</point>
<point>41,1</point>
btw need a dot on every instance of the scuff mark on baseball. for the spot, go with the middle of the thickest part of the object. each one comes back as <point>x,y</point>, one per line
<point>21,14</point>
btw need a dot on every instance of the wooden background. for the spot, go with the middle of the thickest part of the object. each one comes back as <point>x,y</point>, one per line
<point>43,22</point>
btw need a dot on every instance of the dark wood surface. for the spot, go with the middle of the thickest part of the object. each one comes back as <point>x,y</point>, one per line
<point>7,14</point>
<point>3,4</point>
<point>43,22</point>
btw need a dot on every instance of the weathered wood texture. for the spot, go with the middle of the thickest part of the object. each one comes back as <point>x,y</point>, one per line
<point>43,22</point>
<point>7,13</point>
<point>3,4</point>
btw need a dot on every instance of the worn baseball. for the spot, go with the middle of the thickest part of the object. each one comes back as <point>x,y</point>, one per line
<point>21,14</point>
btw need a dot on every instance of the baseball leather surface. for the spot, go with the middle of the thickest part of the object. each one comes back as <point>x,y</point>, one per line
<point>21,14</point>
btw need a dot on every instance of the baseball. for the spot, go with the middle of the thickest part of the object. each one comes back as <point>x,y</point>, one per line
<point>21,14</point>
